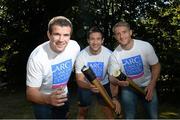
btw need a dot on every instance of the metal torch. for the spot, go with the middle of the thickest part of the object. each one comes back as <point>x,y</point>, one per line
<point>121,76</point>
<point>90,75</point>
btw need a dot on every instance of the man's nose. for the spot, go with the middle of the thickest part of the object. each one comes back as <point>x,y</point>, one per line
<point>61,38</point>
<point>120,36</point>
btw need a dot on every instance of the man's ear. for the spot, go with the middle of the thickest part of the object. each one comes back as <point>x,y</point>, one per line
<point>102,41</point>
<point>48,34</point>
<point>131,32</point>
<point>88,41</point>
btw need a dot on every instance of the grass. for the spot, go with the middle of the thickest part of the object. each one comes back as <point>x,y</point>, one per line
<point>13,105</point>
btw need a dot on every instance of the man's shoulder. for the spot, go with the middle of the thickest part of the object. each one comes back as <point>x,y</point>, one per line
<point>84,51</point>
<point>105,49</point>
<point>72,46</point>
<point>117,49</point>
<point>73,42</point>
<point>39,50</point>
<point>137,41</point>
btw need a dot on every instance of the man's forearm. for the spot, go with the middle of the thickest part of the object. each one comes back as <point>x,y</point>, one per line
<point>81,81</point>
<point>83,84</point>
<point>114,90</point>
<point>36,96</point>
<point>113,80</point>
<point>155,73</point>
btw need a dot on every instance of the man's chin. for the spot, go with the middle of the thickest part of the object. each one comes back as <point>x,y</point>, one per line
<point>96,49</point>
<point>59,50</point>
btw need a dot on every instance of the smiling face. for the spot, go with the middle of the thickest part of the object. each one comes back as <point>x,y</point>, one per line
<point>123,35</point>
<point>95,41</point>
<point>59,37</point>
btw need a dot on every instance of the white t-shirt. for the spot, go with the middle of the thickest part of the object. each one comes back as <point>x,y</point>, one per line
<point>98,63</point>
<point>135,63</point>
<point>49,70</point>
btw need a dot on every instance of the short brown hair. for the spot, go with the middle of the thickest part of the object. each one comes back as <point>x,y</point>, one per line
<point>119,24</point>
<point>93,30</point>
<point>61,21</point>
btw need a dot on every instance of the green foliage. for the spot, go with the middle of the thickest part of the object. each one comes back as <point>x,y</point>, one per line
<point>164,33</point>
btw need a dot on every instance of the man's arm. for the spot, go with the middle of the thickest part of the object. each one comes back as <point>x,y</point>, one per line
<point>115,81</point>
<point>80,78</point>
<point>81,81</point>
<point>55,98</point>
<point>114,91</point>
<point>155,72</point>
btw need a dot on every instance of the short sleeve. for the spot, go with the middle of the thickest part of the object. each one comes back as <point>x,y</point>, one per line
<point>34,74</point>
<point>151,55</point>
<point>78,64</point>
<point>113,64</point>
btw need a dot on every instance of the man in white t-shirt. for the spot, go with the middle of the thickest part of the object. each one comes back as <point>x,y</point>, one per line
<point>95,56</point>
<point>138,61</point>
<point>49,68</point>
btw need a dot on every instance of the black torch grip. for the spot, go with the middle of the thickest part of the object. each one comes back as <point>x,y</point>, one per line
<point>88,72</point>
<point>122,76</point>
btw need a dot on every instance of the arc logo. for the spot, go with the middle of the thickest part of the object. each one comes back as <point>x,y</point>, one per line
<point>97,68</point>
<point>61,73</point>
<point>133,67</point>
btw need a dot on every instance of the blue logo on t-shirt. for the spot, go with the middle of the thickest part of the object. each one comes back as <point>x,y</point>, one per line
<point>61,72</point>
<point>133,66</point>
<point>97,68</point>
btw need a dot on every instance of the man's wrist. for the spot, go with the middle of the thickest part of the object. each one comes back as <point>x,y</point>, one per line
<point>115,97</point>
<point>46,99</point>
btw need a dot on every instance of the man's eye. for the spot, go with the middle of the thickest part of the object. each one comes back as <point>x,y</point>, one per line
<point>67,35</point>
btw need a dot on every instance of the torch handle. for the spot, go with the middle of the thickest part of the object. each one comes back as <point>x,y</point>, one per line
<point>103,93</point>
<point>135,87</point>
<point>90,75</point>
<point>121,76</point>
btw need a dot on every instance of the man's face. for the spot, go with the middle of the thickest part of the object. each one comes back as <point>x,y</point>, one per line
<point>95,41</point>
<point>123,35</point>
<point>59,37</point>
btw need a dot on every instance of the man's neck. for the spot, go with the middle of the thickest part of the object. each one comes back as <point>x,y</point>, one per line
<point>129,45</point>
<point>93,52</point>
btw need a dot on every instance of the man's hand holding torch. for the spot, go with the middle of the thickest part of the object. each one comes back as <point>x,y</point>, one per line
<point>91,77</point>
<point>125,81</point>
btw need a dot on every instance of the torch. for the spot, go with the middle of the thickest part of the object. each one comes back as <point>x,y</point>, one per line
<point>121,76</point>
<point>90,75</point>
